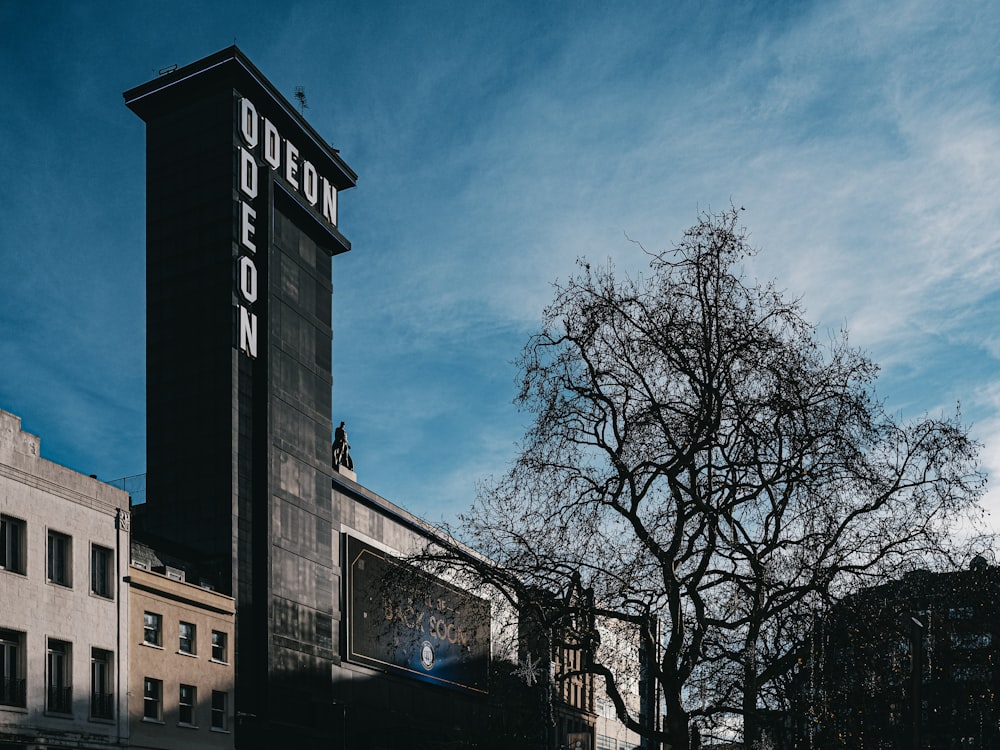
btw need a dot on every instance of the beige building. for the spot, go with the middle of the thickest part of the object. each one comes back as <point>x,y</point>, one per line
<point>63,646</point>
<point>611,733</point>
<point>181,669</point>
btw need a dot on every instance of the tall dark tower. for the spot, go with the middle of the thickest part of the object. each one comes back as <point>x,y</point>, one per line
<point>241,226</point>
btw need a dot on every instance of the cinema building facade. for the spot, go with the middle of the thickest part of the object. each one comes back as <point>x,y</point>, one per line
<point>242,230</point>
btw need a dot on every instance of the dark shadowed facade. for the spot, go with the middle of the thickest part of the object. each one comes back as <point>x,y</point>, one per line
<point>913,663</point>
<point>241,231</point>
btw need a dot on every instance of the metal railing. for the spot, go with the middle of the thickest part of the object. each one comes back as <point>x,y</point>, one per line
<point>102,706</point>
<point>134,485</point>
<point>60,699</point>
<point>13,691</point>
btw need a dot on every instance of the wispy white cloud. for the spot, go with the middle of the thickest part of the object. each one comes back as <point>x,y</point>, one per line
<point>493,148</point>
<point>868,174</point>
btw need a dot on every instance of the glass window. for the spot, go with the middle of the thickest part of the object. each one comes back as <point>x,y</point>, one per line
<point>971,673</point>
<point>12,683</point>
<point>186,701</point>
<point>101,566</point>
<point>60,559</point>
<point>152,699</point>
<point>60,686</point>
<point>12,544</point>
<point>102,704</point>
<point>971,640</point>
<point>324,630</point>
<point>152,629</point>
<point>219,701</point>
<point>187,638</point>
<point>219,646</point>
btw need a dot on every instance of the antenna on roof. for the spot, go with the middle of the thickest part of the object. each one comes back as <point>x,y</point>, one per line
<point>300,94</point>
<point>168,69</point>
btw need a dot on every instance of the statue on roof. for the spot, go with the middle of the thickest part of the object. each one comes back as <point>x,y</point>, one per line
<point>342,449</point>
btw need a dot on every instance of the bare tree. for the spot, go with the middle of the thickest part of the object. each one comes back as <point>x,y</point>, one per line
<point>709,474</point>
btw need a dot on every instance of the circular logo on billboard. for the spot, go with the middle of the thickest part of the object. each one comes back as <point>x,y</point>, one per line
<point>426,655</point>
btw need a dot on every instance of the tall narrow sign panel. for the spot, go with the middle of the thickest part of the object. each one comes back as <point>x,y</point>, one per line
<point>241,228</point>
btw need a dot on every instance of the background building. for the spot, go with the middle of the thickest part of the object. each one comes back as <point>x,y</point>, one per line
<point>909,664</point>
<point>63,644</point>
<point>181,671</point>
<point>611,733</point>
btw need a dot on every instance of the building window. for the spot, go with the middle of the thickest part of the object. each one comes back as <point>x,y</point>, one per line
<point>152,629</point>
<point>12,683</point>
<point>12,544</point>
<point>971,673</point>
<point>219,701</point>
<point>60,685</point>
<point>186,701</point>
<point>324,630</point>
<point>219,646</point>
<point>152,699</point>
<point>101,567</point>
<point>102,700</point>
<point>187,638</point>
<point>60,559</point>
<point>971,640</point>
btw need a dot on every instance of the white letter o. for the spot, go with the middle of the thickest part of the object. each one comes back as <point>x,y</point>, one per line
<point>248,279</point>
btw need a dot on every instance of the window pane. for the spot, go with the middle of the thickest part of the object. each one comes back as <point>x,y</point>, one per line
<point>100,570</point>
<point>219,700</point>
<point>60,559</point>
<point>218,645</point>
<point>12,683</point>
<point>187,638</point>
<point>151,629</point>
<point>12,544</point>
<point>186,704</point>
<point>60,699</point>
<point>151,692</point>
<point>101,698</point>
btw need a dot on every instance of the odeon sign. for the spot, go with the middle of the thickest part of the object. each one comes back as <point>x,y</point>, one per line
<point>262,143</point>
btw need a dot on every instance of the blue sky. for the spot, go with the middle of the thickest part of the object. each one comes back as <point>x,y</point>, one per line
<point>495,143</point>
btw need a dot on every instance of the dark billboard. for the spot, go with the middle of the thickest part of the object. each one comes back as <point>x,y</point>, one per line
<point>408,622</point>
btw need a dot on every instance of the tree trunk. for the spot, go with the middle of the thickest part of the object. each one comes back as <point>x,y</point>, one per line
<point>676,723</point>
<point>751,719</point>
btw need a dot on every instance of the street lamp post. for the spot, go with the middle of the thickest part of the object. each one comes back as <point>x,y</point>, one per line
<point>916,672</point>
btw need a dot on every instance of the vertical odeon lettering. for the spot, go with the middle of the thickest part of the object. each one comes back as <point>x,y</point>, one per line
<point>310,188</point>
<point>272,145</point>
<point>329,202</point>
<point>248,174</point>
<point>248,279</point>
<point>246,270</point>
<point>247,218</point>
<point>292,165</point>
<point>262,144</point>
